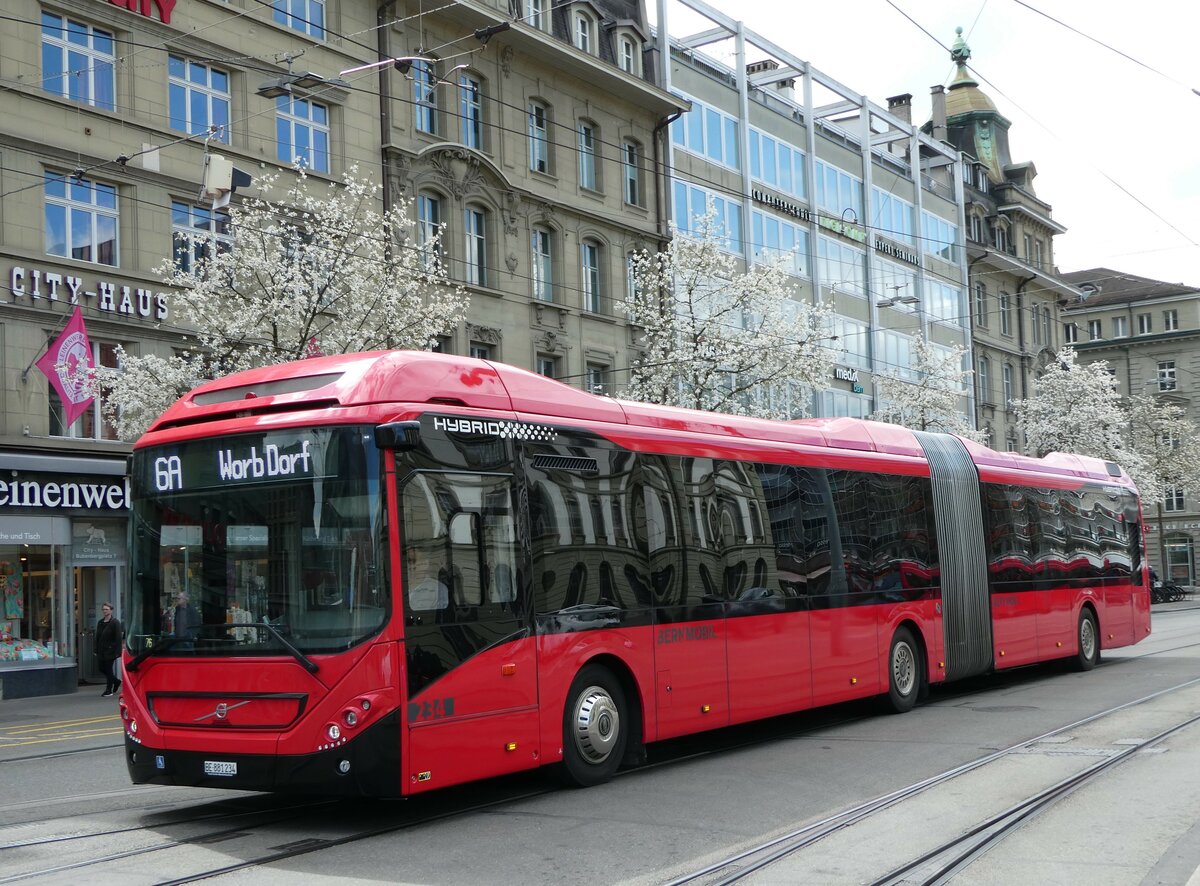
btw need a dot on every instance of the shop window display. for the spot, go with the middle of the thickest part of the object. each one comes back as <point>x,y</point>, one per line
<point>27,625</point>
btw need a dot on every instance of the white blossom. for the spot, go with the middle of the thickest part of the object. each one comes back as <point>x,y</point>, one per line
<point>929,395</point>
<point>1073,407</point>
<point>719,338</point>
<point>321,270</point>
<point>1167,444</point>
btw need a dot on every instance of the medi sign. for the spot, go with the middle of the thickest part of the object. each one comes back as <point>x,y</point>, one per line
<point>146,7</point>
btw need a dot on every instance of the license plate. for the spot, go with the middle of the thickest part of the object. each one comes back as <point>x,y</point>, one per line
<point>219,767</point>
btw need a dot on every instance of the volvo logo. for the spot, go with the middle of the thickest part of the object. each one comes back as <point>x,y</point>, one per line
<point>221,711</point>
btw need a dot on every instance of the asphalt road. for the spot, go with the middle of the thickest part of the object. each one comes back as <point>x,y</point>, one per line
<point>70,814</point>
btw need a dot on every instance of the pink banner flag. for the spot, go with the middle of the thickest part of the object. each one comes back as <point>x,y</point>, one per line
<point>68,364</point>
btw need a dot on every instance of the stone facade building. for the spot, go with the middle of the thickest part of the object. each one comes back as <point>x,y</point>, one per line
<point>1147,331</point>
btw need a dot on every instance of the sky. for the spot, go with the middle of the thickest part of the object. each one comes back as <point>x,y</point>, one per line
<point>1115,144</point>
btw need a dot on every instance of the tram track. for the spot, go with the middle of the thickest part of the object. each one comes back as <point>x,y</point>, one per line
<point>953,855</point>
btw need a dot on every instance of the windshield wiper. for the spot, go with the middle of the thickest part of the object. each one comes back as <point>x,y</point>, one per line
<point>164,643</point>
<point>309,665</point>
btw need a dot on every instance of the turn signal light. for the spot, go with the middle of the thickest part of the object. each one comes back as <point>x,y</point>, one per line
<point>133,726</point>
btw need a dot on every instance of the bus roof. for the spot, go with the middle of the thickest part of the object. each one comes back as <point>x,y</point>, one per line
<point>421,377</point>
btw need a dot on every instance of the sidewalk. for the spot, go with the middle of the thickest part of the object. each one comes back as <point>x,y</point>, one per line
<point>59,723</point>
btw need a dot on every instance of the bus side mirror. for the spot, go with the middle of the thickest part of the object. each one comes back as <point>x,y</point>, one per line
<point>398,435</point>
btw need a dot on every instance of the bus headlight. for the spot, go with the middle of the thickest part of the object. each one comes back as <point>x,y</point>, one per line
<point>334,732</point>
<point>350,718</point>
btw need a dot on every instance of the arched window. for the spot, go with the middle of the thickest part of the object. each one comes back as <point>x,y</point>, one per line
<point>584,32</point>
<point>628,55</point>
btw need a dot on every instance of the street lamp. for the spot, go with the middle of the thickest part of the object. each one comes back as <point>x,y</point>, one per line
<point>897,298</point>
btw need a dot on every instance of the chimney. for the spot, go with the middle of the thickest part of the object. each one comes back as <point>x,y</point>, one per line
<point>939,112</point>
<point>901,106</point>
<point>786,88</point>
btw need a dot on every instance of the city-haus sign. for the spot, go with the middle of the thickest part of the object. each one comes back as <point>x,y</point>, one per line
<point>47,286</point>
<point>146,7</point>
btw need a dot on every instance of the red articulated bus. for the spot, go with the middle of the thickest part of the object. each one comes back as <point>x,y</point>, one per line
<point>385,573</point>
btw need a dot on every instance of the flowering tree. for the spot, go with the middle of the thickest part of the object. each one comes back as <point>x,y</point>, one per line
<point>1168,445</point>
<point>718,338</point>
<point>927,396</point>
<point>1075,407</point>
<point>321,271</point>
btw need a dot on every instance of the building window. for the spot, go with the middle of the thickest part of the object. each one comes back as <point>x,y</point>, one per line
<point>535,14</point>
<point>589,260</point>
<point>78,62</point>
<point>587,156</point>
<point>690,203</point>
<point>1037,253</point>
<point>1005,314</point>
<point>596,378</point>
<point>1000,238</point>
<point>476,233</point>
<point>89,425</point>
<point>1046,338</point>
<point>429,228</point>
<point>1145,324</point>
<point>985,380</point>
<point>774,237</point>
<point>708,132</point>
<point>1007,382</point>
<point>1035,327</point>
<point>1120,326</point>
<point>302,132</point>
<point>546,365</point>
<point>976,229</point>
<point>1070,333</point>
<point>628,55</point>
<point>940,236</point>
<point>584,30</point>
<point>1166,375</point>
<point>981,305</point>
<point>539,139</point>
<point>305,16</point>
<point>480,351</point>
<point>774,162</point>
<point>543,265</point>
<point>631,162</point>
<point>1028,241</point>
<point>838,191</point>
<point>81,219</point>
<point>199,98</point>
<point>198,234</point>
<point>470,111</point>
<point>1173,499</point>
<point>425,97</point>
<point>893,217</point>
<point>1170,320</point>
<point>1094,331</point>
<point>943,302</point>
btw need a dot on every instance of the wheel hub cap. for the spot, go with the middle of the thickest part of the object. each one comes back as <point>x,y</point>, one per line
<point>597,724</point>
<point>904,669</point>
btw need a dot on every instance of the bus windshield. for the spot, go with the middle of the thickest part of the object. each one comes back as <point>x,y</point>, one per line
<point>270,543</point>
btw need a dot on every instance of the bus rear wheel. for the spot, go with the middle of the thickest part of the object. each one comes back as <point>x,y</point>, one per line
<point>1089,642</point>
<point>905,673</point>
<point>595,727</point>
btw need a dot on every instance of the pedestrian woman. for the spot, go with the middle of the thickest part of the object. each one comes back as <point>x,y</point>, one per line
<point>109,635</point>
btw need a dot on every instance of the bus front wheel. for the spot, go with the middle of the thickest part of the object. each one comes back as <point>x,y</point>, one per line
<point>905,674</point>
<point>595,727</point>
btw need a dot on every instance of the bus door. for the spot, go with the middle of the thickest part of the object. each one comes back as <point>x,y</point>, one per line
<point>470,663</point>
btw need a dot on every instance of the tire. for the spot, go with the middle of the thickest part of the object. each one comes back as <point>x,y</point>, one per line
<point>906,675</point>
<point>1088,635</point>
<point>595,727</point>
